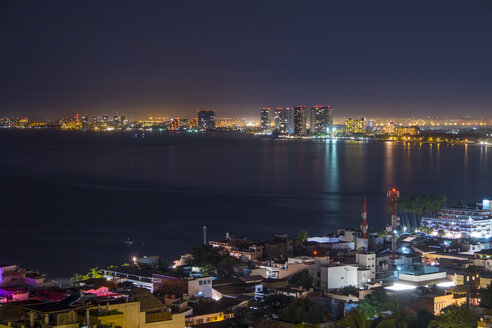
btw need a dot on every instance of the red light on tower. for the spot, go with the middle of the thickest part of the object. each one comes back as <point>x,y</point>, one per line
<point>393,194</point>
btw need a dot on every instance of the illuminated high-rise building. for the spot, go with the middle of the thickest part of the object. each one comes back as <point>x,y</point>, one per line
<point>206,120</point>
<point>300,120</point>
<point>389,128</point>
<point>266,120</point>
<point>407,130</point>
<point>176,124</point>
<point>321,119</point>
<point>193,124</point>
<point>355,126</point>
<point>284,121</point>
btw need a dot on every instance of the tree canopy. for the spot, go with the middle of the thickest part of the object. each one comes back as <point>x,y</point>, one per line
<point>350,290</point>
<point>455,317</point>
<point>302,310</point>
<point>286,308</point>
<point>302,279</point>
<point>424,317</point>
<point>423,204</point>
<point>486,297</point>
<point>93,273</point>
<point>302,235</point>
<point>419,205</point>
<point>214,261</point>
<point>379,310</point>
<point>355,319</point>
<point>373,304</point>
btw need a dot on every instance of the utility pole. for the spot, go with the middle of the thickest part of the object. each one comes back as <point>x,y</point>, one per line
<point>204,235</point>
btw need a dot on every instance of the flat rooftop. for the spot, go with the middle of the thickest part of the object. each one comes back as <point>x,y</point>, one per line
<point>49,307</point>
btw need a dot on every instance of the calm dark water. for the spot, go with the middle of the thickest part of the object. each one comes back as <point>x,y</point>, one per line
<point>69,200</point>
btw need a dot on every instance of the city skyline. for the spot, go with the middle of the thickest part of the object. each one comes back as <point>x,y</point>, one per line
<point>170,58</point>
<point>339,116</point>
<point>246,164</point>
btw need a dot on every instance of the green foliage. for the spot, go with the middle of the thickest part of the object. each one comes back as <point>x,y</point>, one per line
<point>486,297</point>
<point>286,308</point>
<point>426,230</point>
<point>455,317</point>
<point>390,323</point>
<point>214,261</point>
<point>368,314</point>
<point>76,278</point>
<point>302,235</point>
<point>245,317</point>
<point>399,317</point>
<point>399,320</point>
<point>383,233</point>
<point>373,304</point>
<point>422,205</point>
<point>95,273</point>
<point>355,319</point>
<point>424,317</point>
<point>273,303</point>
<point>302,310</point>
<point>350,290</point>
<point>302,279</point>
<point>270,305</point>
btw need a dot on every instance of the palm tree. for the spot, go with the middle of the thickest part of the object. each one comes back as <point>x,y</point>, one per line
<point>302,235</point>
<point>420,205</point>
<point>399,318</point>
<point>443,199</point>
<point>76,278</point>
<point>389,323</point>
<point>95,273</point>
<point>354,319</point>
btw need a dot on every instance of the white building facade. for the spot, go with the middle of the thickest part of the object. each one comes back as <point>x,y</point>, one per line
<point>333,276</point>
<point>462,222</point>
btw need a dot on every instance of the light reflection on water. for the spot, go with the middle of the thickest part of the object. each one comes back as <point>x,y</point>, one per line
<point>85,194</point>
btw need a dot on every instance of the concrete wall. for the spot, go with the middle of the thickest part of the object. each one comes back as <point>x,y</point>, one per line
<point>338,276</point>
<point>131,311</point>
<point>292,269</point>
<point>367,261</point>
<point>117,319</point>
<point>363,277</point>
<point>421,278</point>
<point>133,318</point>
<point>200,287</point>
<point>178,321</point>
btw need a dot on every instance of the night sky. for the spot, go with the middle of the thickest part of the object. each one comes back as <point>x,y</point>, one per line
<point>144,58</point>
